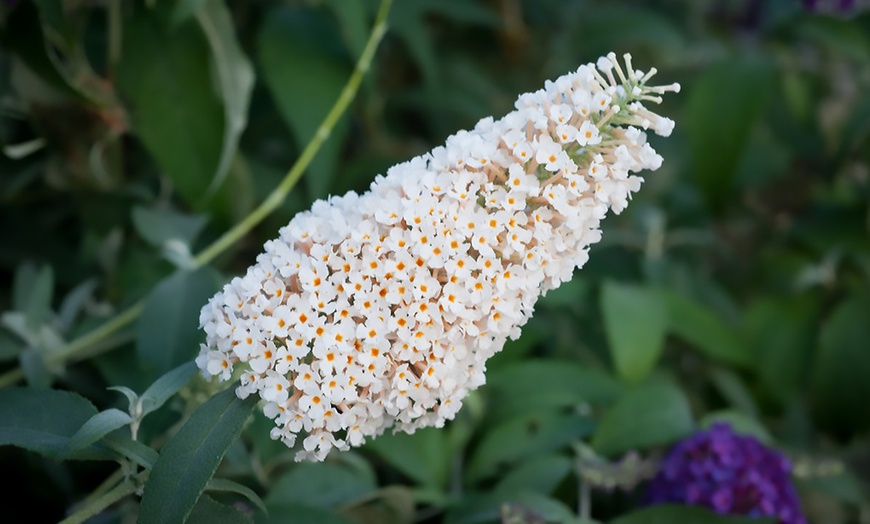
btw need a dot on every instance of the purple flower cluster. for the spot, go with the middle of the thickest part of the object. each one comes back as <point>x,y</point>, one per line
<point>846,7</point>
<point>729,473</point>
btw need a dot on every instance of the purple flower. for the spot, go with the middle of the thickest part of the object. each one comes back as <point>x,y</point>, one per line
<point>837,6</point>
<point>729,473</point>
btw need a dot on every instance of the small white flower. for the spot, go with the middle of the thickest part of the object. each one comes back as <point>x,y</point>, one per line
<point>550,154</point>
<point>588,135</point>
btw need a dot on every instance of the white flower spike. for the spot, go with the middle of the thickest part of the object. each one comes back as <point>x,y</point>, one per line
<point>381,309</point>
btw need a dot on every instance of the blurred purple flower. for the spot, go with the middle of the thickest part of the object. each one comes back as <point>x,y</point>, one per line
<point>837,6</point>
<point>729,473</point>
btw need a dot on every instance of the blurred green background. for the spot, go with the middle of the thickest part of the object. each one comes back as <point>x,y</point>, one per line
<point>734,287</point>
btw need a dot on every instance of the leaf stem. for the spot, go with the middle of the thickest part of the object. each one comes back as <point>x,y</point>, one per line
<point>96,506</point>
<point>279,194</point>
<point>115,24</point>
<point>110,482</point>
<point>272,202</point>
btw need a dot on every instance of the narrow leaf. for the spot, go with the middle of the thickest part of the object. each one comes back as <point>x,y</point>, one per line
<point>782,333</point>
<point>39,298</point>
<point>317,485</point>
<point>423,456</point>
<point>158,226</point>
<point>190,459</point>
<point>131,395</point>
<point>723,106</point>
<point>649,415</point>
<point>166,386</point>
<point>734,390</point>
<point>352,17</point>
<point>36,373</point>
<point>635,321</point>
<point>96,428</point>
<point>41,420</point>
<point>523,437</point>
<point>25,278</point>
<point>131,449</point>
<point>558,384</point>
<point>235,76</point>
<point>235,487</point>
<point>840,384</point>
<point>73,303</point>
<point>182,128</point>
<point>705,331</point>
<point>542,475</point>
<point>168,334</point>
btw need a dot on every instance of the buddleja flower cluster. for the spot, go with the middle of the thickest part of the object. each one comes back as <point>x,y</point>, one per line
<point>729,473</point>
<point>381,309</point>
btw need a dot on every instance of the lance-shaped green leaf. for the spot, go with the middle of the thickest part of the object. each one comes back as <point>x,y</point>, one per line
<point>166,79</point>
<point>168,333</point>
<point>131,449</point>
<point>525,436</point>
<point>840,384</point>
<point>159,226</point>
<point>96,428</point>
<point>317,485</point>
<point>164,387</point>
<point>235,76</point>
<point>423,456</point>
<point>649,415</point>
<point>42,420</point>
<point>73,303</point>
<point>189,460</point>
<point>723,106</point>
<point>635,321</point>
<point>235,487</point>
<point>699,326</point>
<point>32,292</point>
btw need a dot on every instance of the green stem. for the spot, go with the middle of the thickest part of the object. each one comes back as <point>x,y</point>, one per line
<point>273,201</point>
<point>114,45</point>
<point>96,506</point>
<point>92,337</point>
<point>279,194</point>
<point>110,482</point>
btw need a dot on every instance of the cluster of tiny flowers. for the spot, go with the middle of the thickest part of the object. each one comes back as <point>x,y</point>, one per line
<point>729,473</point>
<point>381,309</point>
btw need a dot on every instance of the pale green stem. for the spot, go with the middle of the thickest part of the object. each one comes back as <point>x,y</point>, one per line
<point>272,202</point>
<point>584,504</point>
<point>96,506</point>
<point>115,23</point>
<point>110,482</point>
<point>279,194</point>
